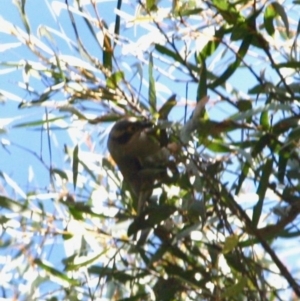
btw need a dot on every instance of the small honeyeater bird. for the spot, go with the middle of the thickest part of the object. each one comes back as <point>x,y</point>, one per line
<point>134,148</point>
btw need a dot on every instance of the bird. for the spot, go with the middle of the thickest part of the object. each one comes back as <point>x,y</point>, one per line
<point>134,147</point>
<point>143,154</point>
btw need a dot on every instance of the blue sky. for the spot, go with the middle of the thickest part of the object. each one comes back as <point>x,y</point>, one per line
<point>18,163</point>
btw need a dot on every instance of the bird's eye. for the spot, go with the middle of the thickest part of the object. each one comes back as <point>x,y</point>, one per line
<point>131,128</point>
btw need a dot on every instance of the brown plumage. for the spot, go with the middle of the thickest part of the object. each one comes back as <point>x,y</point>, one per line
<point>132,145</point>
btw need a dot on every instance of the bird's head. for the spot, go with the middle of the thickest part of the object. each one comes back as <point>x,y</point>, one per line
<point>131,137</point>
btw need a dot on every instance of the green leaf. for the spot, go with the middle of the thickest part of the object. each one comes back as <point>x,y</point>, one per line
<point>243,106</point>
<point>218,147</point>
<point>189,12</point>
<point>196,211</point>
<point>107,52</point>
<point>243,175</point>
<point>212,45</point>
<point>90,24</point>
<point>186,232</point>
<point>230,243</point>
<point>264,120</point>
<point>166,51</point>
<point>233,66</point>
<point>284,156</point>
<point>228,11</point>
<point>202,86</point>
<point>114,80</point>
<point>269,15</point>
<point>268,107</point>
<point>234,290</point>
<point>281,12</point>
<point>155,215</point>
<point>9,182</point>
<point>54,272</point>
<point>151,5</point>
<point>77,214</point>
<point>111,273</point>
<point>239,31</point>
<point>285,125</point>
<point>167,107</point>
<point>294,135</point>
<point>60,172</point>
<point>73,110</point>
<point>293,64</point>
<point>273,10</point>
<point>151,91</point>
<point>260,145</point>
<point>75,166</point>
<point>261,191</point>
<point>70,266</point>
<point>10,204</point>
<point>38,122</point>
<point>21,7</point>
<point>118,19</point>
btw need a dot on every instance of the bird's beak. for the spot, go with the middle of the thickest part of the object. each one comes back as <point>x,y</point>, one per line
<point>146,124</point>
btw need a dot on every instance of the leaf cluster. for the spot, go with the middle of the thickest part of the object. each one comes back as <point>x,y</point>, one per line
<point>232,195</point>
